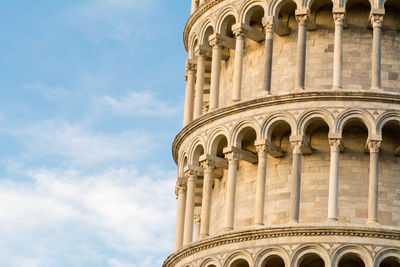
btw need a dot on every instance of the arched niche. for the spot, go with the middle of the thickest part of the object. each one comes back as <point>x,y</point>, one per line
<point>357,13</point>
<point>390,261</point>
<point>351,260</point>
<point>240,263</point>
<point>311,260</point>
<point>273,261</point>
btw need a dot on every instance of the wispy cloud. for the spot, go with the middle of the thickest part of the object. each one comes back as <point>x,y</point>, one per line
<point>128,214</point>
<point>140,104</point>
<point>80,146</point>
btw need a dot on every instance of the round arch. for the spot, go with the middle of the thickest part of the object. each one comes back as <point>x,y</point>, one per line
<point>183,158</point>
<point>271,121</point>
<point>239,255</point>
<point>307,117</point>
<point>247,7</point>
<point>357,114</point>
<point>386,254</point>
<point>214,138</point>
<point>209,23</point>
<point>193,40</point>
<point>351,249</point>
<point>385,118</point>
<point>210,262</point>
<point>199,142</point>
<point>275,6</point>
<point>307,4</point>
<point>266,254</point>
<point>225,13</point>
<point>238,130</point>
<point>307,250</point>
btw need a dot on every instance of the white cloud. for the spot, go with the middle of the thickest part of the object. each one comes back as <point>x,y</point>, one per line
<point>140,104</point>
<point>130,214</point>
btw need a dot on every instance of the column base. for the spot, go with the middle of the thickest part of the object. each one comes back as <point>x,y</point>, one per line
<point>258,224</point>
<point>227,229</point>
<point>203,236</point>
<point>332,220</point>
<point>372,222</point>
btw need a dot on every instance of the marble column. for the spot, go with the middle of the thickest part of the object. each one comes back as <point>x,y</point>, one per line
<point>208,167</point>
<point>338,50</point>
<point>374,147</point>
<point>233,159</point>
<point>269,26</point>
<point>260,184</point>
<point>238,65</point>
<point>216,45</point>
<point>334,143</point>
<point>376,51</point>
<point>189,95</point>
<point>189,213</point>
<point>180,214</point>
<point>297,147</point>
<point>301,51</point>
<point>201,67</point>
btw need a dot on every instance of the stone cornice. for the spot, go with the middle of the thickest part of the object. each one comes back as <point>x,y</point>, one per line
<point>279,100</point>
<point>257,234</point>
<point>193,18</point>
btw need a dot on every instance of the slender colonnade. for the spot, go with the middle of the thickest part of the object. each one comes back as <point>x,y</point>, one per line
<point>277,164</point>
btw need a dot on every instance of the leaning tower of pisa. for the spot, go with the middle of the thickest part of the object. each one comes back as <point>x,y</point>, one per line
<point>290,150</point>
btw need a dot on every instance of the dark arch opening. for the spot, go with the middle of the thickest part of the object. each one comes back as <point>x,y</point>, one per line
<point>312,260</point>
<point>316,134</point>
<point>226,26</point>
<point>287,14</point>
<point>351,260</point>
<point>240,263</point>
<point>321,12</point>
<point>279,135</point>
<point>273,261</point>
<point>246,138</point>
<point>390,262</point>
<point>357,13</point>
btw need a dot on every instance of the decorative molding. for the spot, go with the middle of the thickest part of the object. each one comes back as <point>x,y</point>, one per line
<point>250,235</point>
<point>276,100</point>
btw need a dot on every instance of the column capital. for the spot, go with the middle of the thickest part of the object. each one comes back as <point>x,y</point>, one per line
<point>297,146</point>
<point>339,17</point>
<point>190,66</point>
<point>180,185</point>
<point>208,165</point>
<point>377,20</point>
<point>269,24</point>
<point>240,32</point>
<point>262,150</point>
<point>216,42</point>
<point>232,157</point>
<point>190,174</point>
<point>197,218</point>
<point>302,16</point>
<point>335,144</point>
<point>374,146</point>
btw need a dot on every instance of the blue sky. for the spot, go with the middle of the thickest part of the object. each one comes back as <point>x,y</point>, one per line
<point>91,97</point>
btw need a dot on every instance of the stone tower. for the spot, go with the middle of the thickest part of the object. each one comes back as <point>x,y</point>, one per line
<point>289,154</point>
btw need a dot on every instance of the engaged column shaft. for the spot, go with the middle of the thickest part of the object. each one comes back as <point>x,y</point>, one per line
<point>208,167</point>
<point>231,190</point>
<point>297,147</point>
<point>374,147</point>
<point>238,67</point>
<point>376,51</point>
<point>189,213</point>
<point>198,105</point>
<point>260,186</point>
<point>338,50</point>
<point>333,179</point>
<point>189,95</point>
<point>180,216</point>
<point>268,53</point>
<point>301,51</point>
<point>216,44</point>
